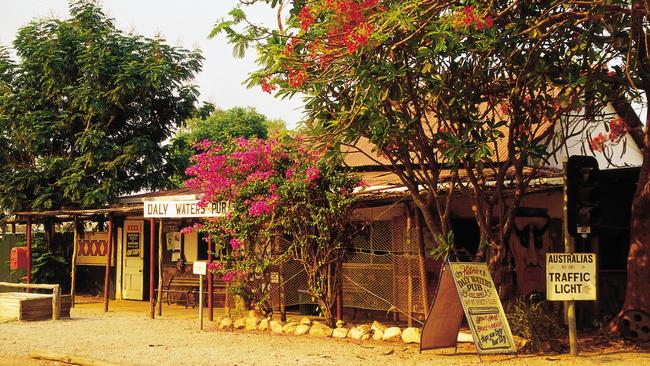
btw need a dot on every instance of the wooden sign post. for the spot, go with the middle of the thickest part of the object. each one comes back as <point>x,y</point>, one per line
<point>467,287</point>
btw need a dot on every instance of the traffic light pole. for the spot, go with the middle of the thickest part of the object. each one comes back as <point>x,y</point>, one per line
<point>569,247</point>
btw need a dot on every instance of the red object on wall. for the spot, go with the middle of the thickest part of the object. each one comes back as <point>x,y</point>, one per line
<point>18,258</point>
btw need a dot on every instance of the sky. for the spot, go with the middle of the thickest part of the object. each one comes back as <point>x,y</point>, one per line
<point>181,23</point>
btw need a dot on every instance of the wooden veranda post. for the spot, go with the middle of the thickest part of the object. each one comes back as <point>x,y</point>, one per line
<point>107,274</point>
<point>409,277</point>
<point>339,295</point>
<point>73,275</point>
<point>210,281</point>
<point>28,233</point>
<point>152,265</point>
<point>160,267</point>
<point>421,260</point>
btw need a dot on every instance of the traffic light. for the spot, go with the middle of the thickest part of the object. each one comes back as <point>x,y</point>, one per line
<point>583,194</point>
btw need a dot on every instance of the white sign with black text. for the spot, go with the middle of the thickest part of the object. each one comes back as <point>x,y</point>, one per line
<point>200,268</point>
<point>571,276</point>
<point>187,208</point>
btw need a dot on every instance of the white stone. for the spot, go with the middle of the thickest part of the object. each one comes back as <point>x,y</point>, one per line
<point>289,328</point>
<point>340,333</point>
<point>365,328</point>
<point>301,329</point>
<point>276,326</point>
<point>264,324</point>
<point>411,335</point>
<point>340,323</point>
<point>225,323</point>
<point>305,320</point>
<point>240,323</point>
<point>377,326</point>
<point>252,322</point>
<point>392,334</point>
<point>320,330</point>
<point>359,332</point>
<point>378,335</point>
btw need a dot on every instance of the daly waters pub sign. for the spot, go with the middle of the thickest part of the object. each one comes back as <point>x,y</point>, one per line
<point>184,208</point>
<point>570,276</point>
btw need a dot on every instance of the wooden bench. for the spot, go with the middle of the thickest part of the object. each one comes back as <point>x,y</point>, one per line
<point>189,286</point>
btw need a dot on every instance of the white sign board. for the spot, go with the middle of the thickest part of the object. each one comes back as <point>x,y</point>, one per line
<point>275,277</point>
<point>570,276</point>
<point>200,268</point>
<point>185,208</point>
<point>485,316</point>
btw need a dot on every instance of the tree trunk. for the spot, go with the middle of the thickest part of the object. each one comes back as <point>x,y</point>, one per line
<point>637,294</point>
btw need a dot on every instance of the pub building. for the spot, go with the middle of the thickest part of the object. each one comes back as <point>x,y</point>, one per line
<point>150,256</point>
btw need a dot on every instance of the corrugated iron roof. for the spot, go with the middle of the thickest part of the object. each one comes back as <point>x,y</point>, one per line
<point>364,154</point>
<point>80,212</point>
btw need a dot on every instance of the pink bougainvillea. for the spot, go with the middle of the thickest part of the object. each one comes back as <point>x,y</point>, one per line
<point>312,173</point>
<point>271,186</point>
<point>236,244</point>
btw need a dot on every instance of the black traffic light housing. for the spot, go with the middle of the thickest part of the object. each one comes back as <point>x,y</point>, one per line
<point>583,194</point>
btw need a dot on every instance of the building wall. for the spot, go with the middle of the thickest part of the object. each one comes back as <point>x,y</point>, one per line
<point>623,154</point>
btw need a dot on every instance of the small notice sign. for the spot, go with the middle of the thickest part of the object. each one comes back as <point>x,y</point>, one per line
<point>570,276</point>
<point>134,235</point>
<point>200,268</point>
<point>482,307</point>
<point>275,277</point>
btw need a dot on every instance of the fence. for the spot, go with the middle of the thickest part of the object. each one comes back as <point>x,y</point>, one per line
<point>383,269</point>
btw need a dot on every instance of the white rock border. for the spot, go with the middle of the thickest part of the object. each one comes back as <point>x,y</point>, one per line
<point>375,330</point>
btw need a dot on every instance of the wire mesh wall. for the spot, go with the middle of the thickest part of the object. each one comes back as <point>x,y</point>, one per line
<point>382,270</point>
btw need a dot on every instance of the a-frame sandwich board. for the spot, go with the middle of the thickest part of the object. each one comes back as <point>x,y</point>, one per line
<point>467,288</point>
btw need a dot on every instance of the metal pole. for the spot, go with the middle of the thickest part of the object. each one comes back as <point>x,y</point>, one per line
<point>210,282</point>
<point>29,251</point>
<point>152,264</point>
<point>569,247</point>
<point>107,275</point>
<point>201,302</point>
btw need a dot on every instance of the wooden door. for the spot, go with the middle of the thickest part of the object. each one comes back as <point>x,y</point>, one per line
<point>133,255</point>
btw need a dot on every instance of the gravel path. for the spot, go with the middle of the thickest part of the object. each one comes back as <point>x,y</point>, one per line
<point>124,338</point>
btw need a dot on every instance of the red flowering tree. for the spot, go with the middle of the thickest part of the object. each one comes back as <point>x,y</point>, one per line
<point>286,203</point>
<point>628,23</point>
<point>486,87</point>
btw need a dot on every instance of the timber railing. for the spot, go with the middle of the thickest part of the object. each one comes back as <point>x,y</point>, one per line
<point>56,294</point>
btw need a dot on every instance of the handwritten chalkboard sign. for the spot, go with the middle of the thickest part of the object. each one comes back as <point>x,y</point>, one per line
<point>467,287</point>
<point>482,307</point>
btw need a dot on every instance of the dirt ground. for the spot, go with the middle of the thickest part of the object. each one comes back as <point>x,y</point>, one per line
<point>130,338</point>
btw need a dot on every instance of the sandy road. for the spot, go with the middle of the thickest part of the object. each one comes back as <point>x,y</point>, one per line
<point>127,338</point>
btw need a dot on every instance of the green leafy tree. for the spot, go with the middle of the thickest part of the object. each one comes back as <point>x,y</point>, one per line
<point>84,111</point>
<point>458,97</point>
<point>220,126</point>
